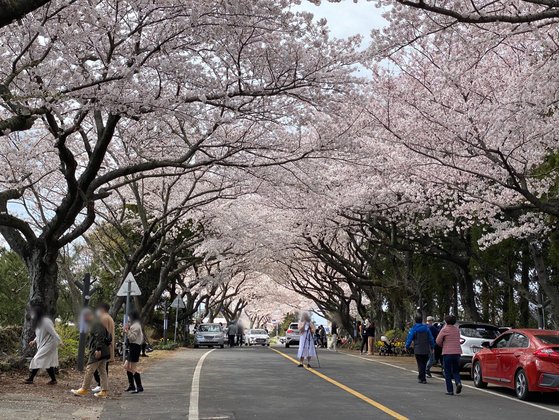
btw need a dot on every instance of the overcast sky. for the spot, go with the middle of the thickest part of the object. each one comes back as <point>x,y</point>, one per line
<point>347,18</point>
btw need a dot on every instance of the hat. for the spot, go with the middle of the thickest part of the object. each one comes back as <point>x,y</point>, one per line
<point>430,318</point>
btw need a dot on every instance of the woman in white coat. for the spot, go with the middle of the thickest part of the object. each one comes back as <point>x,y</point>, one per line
<point>307,349</point>
<point>47,341</point>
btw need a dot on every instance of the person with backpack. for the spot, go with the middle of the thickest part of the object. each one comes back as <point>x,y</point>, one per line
<point>423,345</point>
<point>99,342</point>
<point>109,324</point>
<point>135,339</point>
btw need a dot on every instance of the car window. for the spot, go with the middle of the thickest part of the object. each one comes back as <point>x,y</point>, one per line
<point>294,326</point>
<point>501,342</point>
<point>519,341</point>
<point>548,339</point>
<point>209,328</point>
<point>479,331</point>
<point>258,332</point>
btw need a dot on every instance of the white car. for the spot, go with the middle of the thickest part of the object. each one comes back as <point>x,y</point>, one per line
<point>292,335</point>
<point>257,337</point>
<point>472,334</point>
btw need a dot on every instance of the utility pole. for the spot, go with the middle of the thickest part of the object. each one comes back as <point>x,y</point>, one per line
<point>87,291</point>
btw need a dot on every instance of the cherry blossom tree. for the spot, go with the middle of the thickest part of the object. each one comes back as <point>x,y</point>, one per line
<point>95,95</point>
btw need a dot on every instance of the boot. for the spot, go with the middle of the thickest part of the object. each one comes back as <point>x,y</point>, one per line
<point>32,374</point>
<point>139,387</point>
<point>131,386</point>
<point>52,375</point>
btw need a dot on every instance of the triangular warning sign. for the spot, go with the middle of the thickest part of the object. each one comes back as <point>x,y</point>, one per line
<point>129,284</point>
<point>178,303</point>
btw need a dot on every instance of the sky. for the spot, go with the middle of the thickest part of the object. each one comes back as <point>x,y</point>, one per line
<point>347,17</point>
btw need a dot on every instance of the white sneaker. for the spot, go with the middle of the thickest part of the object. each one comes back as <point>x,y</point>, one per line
<point>96,389</point>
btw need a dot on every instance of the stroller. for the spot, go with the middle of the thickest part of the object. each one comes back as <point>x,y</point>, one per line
<point>388,348</point>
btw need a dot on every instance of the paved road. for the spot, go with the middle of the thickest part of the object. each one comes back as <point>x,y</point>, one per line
<point>263,383</point>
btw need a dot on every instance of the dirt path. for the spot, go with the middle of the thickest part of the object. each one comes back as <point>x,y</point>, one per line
<point>39,401</point>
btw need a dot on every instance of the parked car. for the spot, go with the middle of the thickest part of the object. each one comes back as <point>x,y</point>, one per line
<point>209,335</point>
<point>292,335</point>
<point>472,335</point>
<point>257,337</point>
<point>522,359</point>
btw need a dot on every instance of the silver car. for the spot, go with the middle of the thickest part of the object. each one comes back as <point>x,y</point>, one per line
<point>257,337</point>
<point>209,335</point>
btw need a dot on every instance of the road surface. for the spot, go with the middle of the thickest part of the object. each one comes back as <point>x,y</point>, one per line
<point>265,383</point>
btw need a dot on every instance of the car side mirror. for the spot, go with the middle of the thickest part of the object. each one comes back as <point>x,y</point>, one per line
<point>486,344</point>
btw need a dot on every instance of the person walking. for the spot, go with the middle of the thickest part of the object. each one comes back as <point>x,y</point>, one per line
<point>47,341</point>
<point>240,333</point>
<point>433,355</point>
<point>231,331</point>
<point>307,350</point>
<point>371,332</point>
<point>334,330</point>
<point>363,333</point>
<point>99,352</point>
<point>109,324</point>
<point>135,339</point>
<point>423,344</point>
<point>449,340</point>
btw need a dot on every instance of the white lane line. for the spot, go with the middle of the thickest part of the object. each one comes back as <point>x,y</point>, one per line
<point>193,412</point>
<point>464,385</point>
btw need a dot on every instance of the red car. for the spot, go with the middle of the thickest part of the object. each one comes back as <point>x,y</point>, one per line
<point>522,359</point>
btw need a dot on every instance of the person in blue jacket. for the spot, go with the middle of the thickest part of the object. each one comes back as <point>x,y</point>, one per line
<point>423,345</point>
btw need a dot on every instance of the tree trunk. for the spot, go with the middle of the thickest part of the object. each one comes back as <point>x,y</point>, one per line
<point>468,298</point>
<point>544,281</point>
<point>42,267</point>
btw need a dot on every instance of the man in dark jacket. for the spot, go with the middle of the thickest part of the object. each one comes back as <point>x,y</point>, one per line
<point>423,345</point>
<point>435,354</point>
<point>99,341</point>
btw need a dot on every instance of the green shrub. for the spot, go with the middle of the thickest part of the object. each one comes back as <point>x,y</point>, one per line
<point>171,345</point>
<point>10,339</point>
<point>68,353</point>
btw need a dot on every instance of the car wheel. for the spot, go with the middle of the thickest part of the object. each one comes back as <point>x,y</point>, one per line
<point>286,345</point>
<point>521,385</point>
<point>478,378</point>
<point>196,346</point>
<point>222,346</point>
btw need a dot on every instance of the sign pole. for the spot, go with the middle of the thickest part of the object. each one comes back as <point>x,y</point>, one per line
<point>176,322</point>
<point>127,311</point>
<point>128,288</point>
<point>165,321</point>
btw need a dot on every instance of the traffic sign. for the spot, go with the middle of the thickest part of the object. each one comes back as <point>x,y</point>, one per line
<point>178,303</point>
<point>129,287</point>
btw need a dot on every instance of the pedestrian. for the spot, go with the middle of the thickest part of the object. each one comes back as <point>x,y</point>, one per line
<point>449,340</point>
<point>423,344</point>
<point>47,341</point>
<point>306,344</point>
<point>371,331</point>
<point>240,333</point>
<point>231,332</point>
<point>109,324</point>
<point>98,343</point>
<point>322,334</point>
<point>364,342</point>
<point>135,339</point>
<point>334,330</point>
<point>433,355</point>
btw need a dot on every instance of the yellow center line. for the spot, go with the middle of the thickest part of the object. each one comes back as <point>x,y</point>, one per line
<point>353,392</point>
